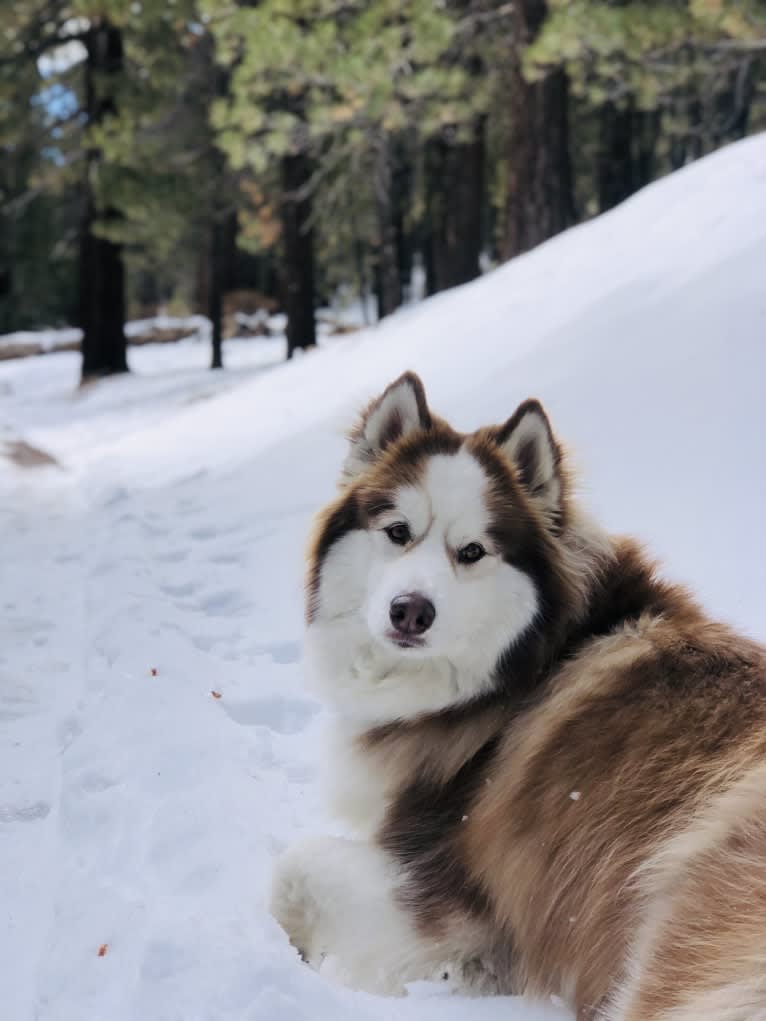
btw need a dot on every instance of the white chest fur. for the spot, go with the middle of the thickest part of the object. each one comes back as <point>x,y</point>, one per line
<point>355,786</point>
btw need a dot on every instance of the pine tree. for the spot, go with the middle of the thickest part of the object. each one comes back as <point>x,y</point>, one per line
<point>333,140</point>
<point>39,29</point>
<point>540,191</point>
<point>169,180</point>
<point>138,150</point>
<point>37,224</point>
<point>343,89</point>
<point>668,80</point>
<point>102,272</point>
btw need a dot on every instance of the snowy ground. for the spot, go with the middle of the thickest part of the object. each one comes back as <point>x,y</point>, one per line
<point>138,810</point>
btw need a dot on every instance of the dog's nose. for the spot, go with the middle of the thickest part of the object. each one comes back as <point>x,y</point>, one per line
<point>412,614</point>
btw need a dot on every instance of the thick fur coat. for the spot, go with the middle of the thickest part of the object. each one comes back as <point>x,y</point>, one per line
<point>551,763</point>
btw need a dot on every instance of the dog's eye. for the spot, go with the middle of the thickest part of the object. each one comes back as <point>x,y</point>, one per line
<point>398,534</point>
<point>471,553</point>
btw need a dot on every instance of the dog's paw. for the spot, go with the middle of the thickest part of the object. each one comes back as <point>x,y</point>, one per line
<point>292,903</point>
<point>297,896</point>
<point>336,900</point>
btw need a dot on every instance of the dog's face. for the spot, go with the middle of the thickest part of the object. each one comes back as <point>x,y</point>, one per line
<point>437,582</point>
<point>436,559</point>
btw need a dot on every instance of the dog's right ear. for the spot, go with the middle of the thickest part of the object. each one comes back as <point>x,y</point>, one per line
<point>401,409</point>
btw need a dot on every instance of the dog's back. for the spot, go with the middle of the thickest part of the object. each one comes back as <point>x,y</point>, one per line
<point>701,954</point>
<point>635,790</point>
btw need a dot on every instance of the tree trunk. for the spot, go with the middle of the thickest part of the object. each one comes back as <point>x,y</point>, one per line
<point>626,156</point>
<point>614,167</point>
<point>625,160</point>
<point>402,181</point>
<point>223,235</point>
<point>540,200</point>
<point>387,276</point>
<point>202,277</point>
<point>455,184</point>
<point>298,245</point>
<point>695,142</point>
<point>102,276</point>
<point>215,293</point>
<point>648,137</point>
<point>732,105</point>
<point>677,151</point>
<point>360,265</point>
<point>427,237</point>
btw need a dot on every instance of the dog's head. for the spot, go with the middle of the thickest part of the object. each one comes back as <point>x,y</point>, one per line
<point>442,561</point>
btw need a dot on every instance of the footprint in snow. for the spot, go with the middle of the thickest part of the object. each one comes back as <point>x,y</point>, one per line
<point>150,529</point>
<point>284,652</point>
<point>226,558</point>
<point>68,732</point>
<point>172,556</point>
<point>67,558</point>
<point>179,591</point>
<point>92,782</point>
<point>207,532</point>
<point>115,497</point>
<point>30,812</point>
<point>224,603</point>
<point>29,626</point>
<point>164,958</point>
<point>16,705</point>
<point>282,715</point>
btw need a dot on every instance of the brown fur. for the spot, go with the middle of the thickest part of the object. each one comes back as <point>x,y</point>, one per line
<point>702,952</point>
<point>644,726</point>
<point>600,816</point>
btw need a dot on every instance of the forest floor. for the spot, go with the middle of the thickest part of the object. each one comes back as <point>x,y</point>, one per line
<point>157,745</point>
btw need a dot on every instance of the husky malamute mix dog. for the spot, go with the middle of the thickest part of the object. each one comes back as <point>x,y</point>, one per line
<point>554,763</point>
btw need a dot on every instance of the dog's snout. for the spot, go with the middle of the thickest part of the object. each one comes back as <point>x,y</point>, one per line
<point>412,614</point>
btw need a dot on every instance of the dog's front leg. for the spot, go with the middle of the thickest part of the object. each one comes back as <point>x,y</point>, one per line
<point>337,901</point>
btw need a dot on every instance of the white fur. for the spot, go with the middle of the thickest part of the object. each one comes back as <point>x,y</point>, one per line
<point>337,901</point>
<point>480,608</point>
<point>353,786</point>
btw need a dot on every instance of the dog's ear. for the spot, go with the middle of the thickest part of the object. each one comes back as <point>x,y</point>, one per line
<point>400,409</point>
<point>528,440</point>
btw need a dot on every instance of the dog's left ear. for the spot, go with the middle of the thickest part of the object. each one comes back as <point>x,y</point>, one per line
<point>400,409</point>
<point>528,440</point>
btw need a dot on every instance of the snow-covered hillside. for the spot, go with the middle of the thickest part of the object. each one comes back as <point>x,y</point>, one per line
<point>158,566</point>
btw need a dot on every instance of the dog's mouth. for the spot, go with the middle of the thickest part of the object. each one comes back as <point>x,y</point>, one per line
<point>405,641</point>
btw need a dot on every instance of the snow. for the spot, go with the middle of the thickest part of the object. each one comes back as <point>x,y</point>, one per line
<point>139,811</point>
<point>46,340</point>
<point>344,315</point>
<point>193,324</point>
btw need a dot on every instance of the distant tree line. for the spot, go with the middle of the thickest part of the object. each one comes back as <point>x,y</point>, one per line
<point>167,152</point>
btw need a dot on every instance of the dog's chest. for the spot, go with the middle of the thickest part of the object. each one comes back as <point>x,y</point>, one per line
<point>357,786</point>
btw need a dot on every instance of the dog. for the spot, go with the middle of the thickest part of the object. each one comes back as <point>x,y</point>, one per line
<point>550,763</point>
